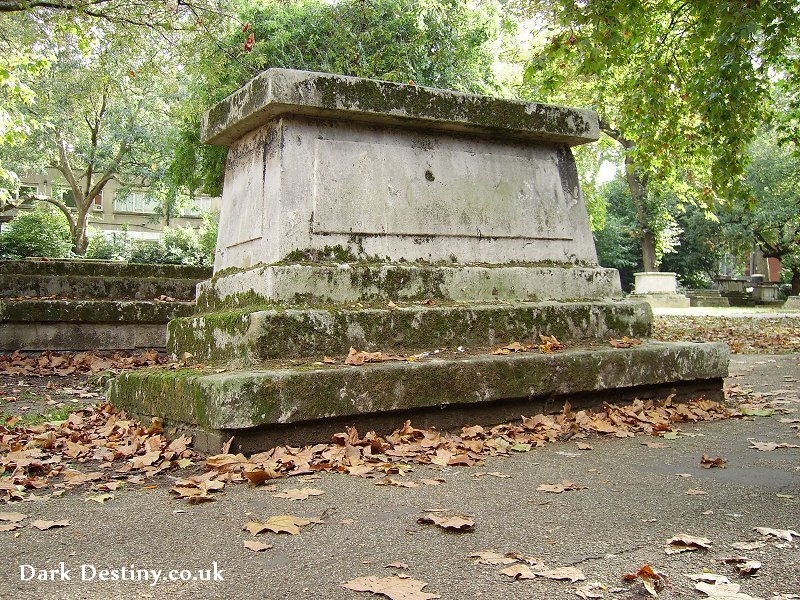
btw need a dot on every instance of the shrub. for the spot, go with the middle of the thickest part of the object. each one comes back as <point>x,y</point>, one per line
<point>43,231</point>
<point>117,246</point>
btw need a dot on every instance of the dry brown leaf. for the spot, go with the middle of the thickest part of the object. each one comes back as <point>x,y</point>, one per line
<point>454,523</point>
<point>256,546</point>
<point>279,524</point>
<point>43,525</point>
<point>298,494</point>
<point>696,492</point>
<point>519,572</point>
<point>397,483</point>
<point>585,446</point>
<point>394,587</point>
<point>258,476</point>
<point>557,488</point>
<point>573,574</point>
<point>653,581</point>
<point>7,526</point>
<point>549,344</point>
<point>686,543</point>
<point>490,557</point>
<point>624,342</point>
<point>748,545</point>
<point>723,591</point>
<point>783,534</point>
<point>14,517</point>
<point>707,462</point>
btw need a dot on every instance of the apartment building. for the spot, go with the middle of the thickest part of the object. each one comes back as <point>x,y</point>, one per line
<point>113,211</point>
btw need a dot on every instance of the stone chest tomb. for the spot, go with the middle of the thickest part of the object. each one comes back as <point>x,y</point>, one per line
<point>406,220</point>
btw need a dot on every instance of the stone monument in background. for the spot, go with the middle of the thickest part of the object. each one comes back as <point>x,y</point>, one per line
<point>423,225</point>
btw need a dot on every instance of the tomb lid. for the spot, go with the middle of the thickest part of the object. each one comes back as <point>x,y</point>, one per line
<point>277,92</point>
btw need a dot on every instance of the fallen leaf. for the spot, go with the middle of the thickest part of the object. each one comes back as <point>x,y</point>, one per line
<point>748,545</point>
<point>585,446</point>
<point>707,462</point>
<point>652,580</point>
<point>279,524</point>
<point>397,565</point>
<point>44,525</point>
<point>100,498</point>
<point>519,572</point>
<point>455,523</point>
<point>298,494</point>
<point>256,546</point>
<point>557,488</point>
<point>707,577</point>
<point>394,587</point>
<point>397,483</point>
<point>591,590</point>
<point>723,591</point>
<point>7,526</point>
<point>14,517</point>
<point>561,573</point>
<point>624,342</point>
<point>783,534</point>
<point>696,492</point>
<point>686,543</point>
<point>490,557</point>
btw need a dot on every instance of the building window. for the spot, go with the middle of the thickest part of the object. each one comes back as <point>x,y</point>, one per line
<point>137,201</point>
<point>66,196</point>
<point>26,190</point>
<point>197,206</point>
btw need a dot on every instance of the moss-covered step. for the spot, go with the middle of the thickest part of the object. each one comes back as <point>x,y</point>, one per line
<point>102,268</point>
<point>98,287</point>
<point>356,282</point>
<point>257,404</point>
<point>243,337</point>
<point>92,311</point>
<point>86,324</point>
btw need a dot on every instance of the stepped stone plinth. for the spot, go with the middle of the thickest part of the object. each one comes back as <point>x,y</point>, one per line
<point>410,221</point>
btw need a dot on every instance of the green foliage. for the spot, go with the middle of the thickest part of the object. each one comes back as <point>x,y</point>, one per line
<point>617,241</point>
<point>672,76</point>
<point>451,44</point>
<point>773,221</point>
<point>42,231</point>
<point>180,246</point>
<point>112,247</point>
<point>700,246</point>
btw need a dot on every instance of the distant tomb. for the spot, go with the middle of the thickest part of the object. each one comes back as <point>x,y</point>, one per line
<point>411,221</point>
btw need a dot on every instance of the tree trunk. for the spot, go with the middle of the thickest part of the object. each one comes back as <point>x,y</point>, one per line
<point>638,191</point>
<point>796,281</point>
<point>80,233</point>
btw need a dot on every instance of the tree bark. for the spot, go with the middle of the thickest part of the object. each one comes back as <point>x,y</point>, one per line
<point>638,191</point>
<point>796,281</point>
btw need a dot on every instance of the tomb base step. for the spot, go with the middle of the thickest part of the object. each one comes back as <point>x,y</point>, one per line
<point>86,324</point>
<point>342,283</point>
<point>663,300</point>
<point>244,337</point>
<point>285,402</point>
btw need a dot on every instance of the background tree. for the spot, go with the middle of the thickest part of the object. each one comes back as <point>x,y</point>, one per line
<point>668,78</point>
<point>773,221</point>
<point>451,44</point>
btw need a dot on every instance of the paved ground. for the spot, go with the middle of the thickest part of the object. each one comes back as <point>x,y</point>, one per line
<point>635,499</point>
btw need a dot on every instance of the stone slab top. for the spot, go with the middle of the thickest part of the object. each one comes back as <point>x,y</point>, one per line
<point>278,92</point>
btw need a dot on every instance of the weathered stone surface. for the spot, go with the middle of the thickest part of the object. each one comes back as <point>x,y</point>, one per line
<point>792,303</point>
<point>101,268</point>
<point>277,92</point>
<point>99,305</point>
<point>343,283</point>
<point>243,338</point>
<point>246,399</point>
<point>711,298</point>
<point>398,195</point>
<point>34,336</point>
<point>100,287</point>
<point>93,311</point>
